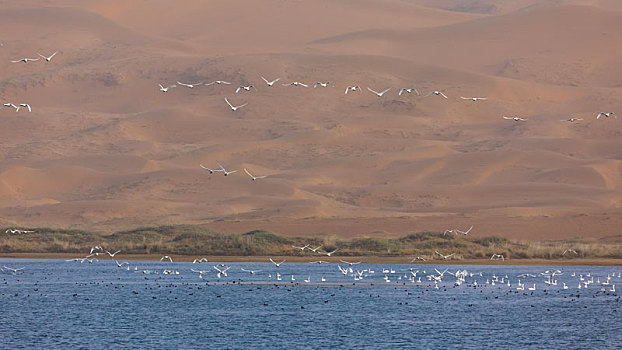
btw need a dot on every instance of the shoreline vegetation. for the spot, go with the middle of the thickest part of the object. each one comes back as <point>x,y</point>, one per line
<point>189,241</point>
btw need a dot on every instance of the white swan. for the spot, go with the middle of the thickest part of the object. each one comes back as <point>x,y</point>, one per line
<point>49,58</point>
<point>234,108</point>
<point>379,94</point>
<point>254,177</point>
<point>270,83</point>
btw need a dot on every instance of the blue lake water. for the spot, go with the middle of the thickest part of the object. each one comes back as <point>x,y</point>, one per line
<point>71,305</point>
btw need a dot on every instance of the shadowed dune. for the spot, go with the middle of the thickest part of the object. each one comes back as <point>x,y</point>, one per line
<point>104,149</point>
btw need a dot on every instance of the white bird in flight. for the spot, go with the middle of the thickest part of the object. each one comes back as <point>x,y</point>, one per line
<point>516,119</point>
<point>49,58</point>
<point>245,88</point>
<point>408,90</point>
<point>445,256</point>
<point>23,105</point>
<point>379,94</point>
<point>466,232</point>
<point>330,253</point>
<point>121,264</point>
<point>270,83</point>
<point>221,272</point>
<point>211,171</point>
<point>166,257</point>
<point>474,98</point>
<point>352,88</point>
<point>571,251</point>
<point>234,108</point>
<point>8,104</point>
<point>113,254</point>
<point>275,263</point>
<point>319,83</point>
<point>456,231</point>
<point>254,177</point>
<point>14,231</point>
<point>218,82</point>
<point>437,93</point>
<point>200,272</point>
<point>12,269</point>
<point>497,257</point>
<point>165,89</point>
<point>25,60</point>
<point>606,115</point>
<point>301,248</point>
<point>315,249</point>
<point>571,120</point>
<point>191,85</point>
<point>202,260</point>
<point>350,263</point>
<point>418,258</point>
<point>296,83</point>
<point>252,272</point>
<point>226,173</point>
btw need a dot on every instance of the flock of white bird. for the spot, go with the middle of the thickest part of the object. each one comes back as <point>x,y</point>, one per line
<point>348,89</point>
<point>17,107</point>
<point>365,275</point>
<point>353,88</point>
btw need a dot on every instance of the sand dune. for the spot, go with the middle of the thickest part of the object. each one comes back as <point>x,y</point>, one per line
<point>104,149</point>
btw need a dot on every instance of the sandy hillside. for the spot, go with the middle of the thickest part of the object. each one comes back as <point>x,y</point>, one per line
<point>105,149</point>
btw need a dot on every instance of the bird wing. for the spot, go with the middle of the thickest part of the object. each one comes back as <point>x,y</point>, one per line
<point>54,54</point>
<point>400,93</point>
<point>442,94</point>
<point>375,92</point>
<point>249,174</point>
<point>240,106</point>
<point>382,93</point>
<point>238,89</point>
<point>229,103</point>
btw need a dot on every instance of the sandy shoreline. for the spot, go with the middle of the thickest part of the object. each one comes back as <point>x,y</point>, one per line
<point>364,259</point>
